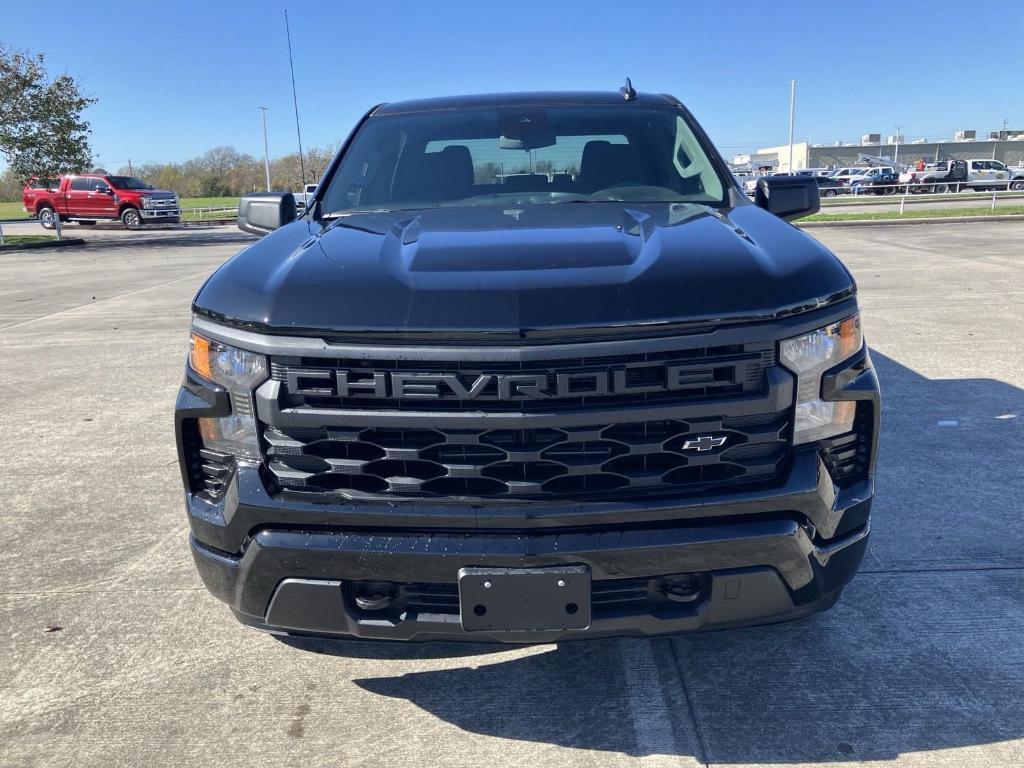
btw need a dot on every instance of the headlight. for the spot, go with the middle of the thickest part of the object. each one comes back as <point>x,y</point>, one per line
<point>809,356</point>
<point>146,201</point>
<point>239,372</point>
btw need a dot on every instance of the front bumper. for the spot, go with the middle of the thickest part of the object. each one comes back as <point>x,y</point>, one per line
<point>301,582</point>
<point>761,553</point>
<point>762,558</point>
<point>149,213</point>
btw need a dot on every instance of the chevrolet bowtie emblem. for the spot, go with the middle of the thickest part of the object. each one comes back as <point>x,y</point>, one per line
<point>704,443</point>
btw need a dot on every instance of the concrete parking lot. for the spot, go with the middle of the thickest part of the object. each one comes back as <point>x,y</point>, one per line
<point>114,654</point>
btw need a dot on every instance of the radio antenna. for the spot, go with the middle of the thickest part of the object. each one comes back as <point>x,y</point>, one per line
<point>627,91</point>
<point>295,99</point>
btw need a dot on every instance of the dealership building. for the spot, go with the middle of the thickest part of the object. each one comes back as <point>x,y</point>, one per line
<point>1010,150</point>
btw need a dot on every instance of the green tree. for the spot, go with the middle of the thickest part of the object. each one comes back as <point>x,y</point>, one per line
<point>10,186</point>
<point>42,131</point>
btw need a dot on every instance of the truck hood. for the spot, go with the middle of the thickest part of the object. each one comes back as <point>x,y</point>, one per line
<point>522,269</point>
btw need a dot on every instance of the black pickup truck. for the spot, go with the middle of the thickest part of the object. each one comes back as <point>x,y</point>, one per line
<point>528,367</point>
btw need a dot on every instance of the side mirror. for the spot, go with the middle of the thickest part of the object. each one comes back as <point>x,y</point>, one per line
<point>788,197</point>
<point>263,212</point>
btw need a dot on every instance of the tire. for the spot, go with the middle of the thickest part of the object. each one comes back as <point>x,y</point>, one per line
<point>131,218</point>
<point>941,189</point>
<point>829,193</point>
<point>87,223</point>
<point>47,217</point>
<point>1017,185</point>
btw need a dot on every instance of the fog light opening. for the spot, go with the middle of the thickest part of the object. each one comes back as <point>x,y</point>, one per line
<point>370,596</point>
<point>682,587</point>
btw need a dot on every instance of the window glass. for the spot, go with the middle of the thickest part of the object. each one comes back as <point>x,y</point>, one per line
<point>128,182</point>
<point>523,155</point>
<point>82,183</point>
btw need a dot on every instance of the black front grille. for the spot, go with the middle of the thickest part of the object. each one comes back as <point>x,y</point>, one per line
<point>564,462</point>
<point>595,425</point>
<point>697,373</point>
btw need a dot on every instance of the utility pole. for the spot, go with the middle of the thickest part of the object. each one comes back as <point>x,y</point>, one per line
<point>792,115</point>
<point>266,154</point>
<point>132,172</point>
<point>896,152</point>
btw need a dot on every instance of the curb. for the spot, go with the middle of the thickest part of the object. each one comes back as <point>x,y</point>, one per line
<point>910,220</point>
<point>209,222</point>
<point>45,244</point>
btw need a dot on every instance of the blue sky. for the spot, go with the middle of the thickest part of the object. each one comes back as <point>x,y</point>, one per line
<point>175,79</point>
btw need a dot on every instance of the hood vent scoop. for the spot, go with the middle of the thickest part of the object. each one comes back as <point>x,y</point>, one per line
<point>407,230</point>
<point>638,224</point>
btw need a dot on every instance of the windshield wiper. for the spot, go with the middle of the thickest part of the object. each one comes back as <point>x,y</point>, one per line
<point>342,214</point>
<point>620,202</point>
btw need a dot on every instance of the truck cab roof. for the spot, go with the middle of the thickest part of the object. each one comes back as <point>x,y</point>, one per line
<point>522,99</point>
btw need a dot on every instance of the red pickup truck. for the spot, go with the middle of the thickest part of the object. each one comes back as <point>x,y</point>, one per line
<point>92,197</point>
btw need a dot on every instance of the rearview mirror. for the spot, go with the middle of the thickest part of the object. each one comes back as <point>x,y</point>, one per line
<point>263,212</point>
<point>788,197</point>
<point>532,140</point>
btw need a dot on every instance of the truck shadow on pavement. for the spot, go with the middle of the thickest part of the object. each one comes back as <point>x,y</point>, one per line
<point>922,653</point>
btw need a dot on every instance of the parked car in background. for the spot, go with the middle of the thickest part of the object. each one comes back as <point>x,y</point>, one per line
<point>977,174</point>
<point>830,187</point>
<point>881,181</point>
<point>993,174</point>
<point>743,178</point>
<point>869,173</point>
<point>91,197</point>
<point>750,185</point>
<point>845,174</point>
<point>305,195</point>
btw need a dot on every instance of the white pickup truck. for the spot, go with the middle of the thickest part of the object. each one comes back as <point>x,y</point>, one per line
<point>993,174</point>
<point>303,197</point>
<point>981,174</point>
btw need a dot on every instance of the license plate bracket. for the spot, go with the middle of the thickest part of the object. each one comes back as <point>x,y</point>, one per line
<point>524,599</point>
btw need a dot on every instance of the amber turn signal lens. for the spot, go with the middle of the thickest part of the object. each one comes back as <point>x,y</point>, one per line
<point>199,356</point>
<point>849,336</point>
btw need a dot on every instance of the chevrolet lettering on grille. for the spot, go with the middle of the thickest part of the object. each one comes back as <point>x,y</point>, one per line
<point>318,382</point>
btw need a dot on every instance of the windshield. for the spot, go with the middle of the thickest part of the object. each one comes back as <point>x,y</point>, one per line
<point>128,182</point>
<point>523,155</point>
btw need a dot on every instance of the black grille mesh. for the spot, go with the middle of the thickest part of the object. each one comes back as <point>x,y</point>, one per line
<point>527,463</point>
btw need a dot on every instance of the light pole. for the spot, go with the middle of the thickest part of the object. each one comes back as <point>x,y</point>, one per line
<point>896,152</point>
<point>1000,137</point>
<point>792,114</point>
<point>266,155</point>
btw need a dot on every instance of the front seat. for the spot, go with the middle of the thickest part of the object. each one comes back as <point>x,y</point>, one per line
<point>605,165</point>
<point>435,176</point>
